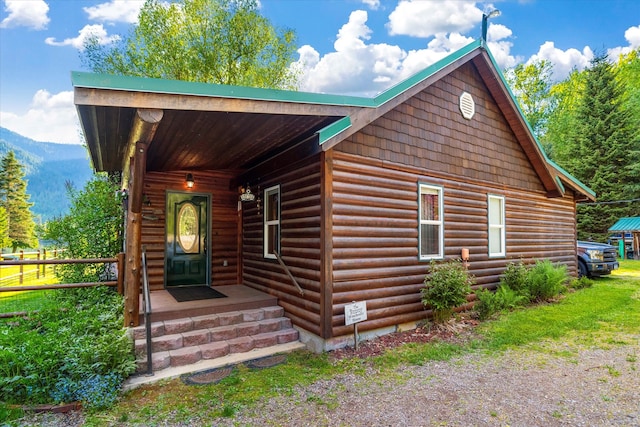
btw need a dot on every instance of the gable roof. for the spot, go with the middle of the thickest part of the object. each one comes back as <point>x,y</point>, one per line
<point>198,126</point>
<point>626,224</point>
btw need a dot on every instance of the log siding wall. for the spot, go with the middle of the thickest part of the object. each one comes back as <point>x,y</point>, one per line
<point>300,244</point>
<point>376,174</point>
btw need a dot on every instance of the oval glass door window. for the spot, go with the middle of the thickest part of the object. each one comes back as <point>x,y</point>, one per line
<point>188,228</point>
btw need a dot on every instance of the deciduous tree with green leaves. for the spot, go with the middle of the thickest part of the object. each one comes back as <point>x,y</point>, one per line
<point>93,228</point>
<point>15,201</point>
<point>563,121</point>
<point>210,41</point>
<point>531,84</point>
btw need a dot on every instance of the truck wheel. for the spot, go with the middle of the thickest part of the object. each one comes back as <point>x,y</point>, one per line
<point>582,270</point>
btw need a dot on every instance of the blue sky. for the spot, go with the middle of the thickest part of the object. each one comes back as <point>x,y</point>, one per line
<point>355,47</point>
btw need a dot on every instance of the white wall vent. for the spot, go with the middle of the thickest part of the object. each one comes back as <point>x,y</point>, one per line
<point>467,105</point>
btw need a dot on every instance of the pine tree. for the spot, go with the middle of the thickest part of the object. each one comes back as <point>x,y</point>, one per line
<point>4,228</point>
<point>608,147</point>
<point>15,200</point>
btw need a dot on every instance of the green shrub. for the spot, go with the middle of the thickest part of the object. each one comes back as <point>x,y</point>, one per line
<point>504,298</point>
<point>581,283</point>
<point>486,304</point>
<point>515,277</point>
<point>546,280</point>
<point>446,287</point>
<point>78,351</point>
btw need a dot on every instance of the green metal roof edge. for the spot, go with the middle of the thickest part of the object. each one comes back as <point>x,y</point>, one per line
<point>630,223</point>
<point>333,129</point>
<point>179,87</point>
<point>409,82</point>
<point>570,177</point>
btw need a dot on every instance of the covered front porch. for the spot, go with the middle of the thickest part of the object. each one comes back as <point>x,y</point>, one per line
<point>237,298</point>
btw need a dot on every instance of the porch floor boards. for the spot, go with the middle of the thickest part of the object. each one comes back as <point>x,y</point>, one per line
<point>239,297</point>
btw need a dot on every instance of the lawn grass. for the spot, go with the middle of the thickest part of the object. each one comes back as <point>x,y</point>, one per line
<point>25,301</point>
<point>604,315</point>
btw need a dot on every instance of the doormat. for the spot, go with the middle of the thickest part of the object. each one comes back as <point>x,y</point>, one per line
<point>215,375</point>
<point>194,293</point>
<point>267,362</point>
<point>210,376</point>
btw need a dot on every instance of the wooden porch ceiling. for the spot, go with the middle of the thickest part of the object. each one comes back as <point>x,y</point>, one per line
<point>196,140</point>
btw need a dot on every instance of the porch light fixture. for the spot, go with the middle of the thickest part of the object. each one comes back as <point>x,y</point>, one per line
<point>246,195</point>
<point>485,17</point>
<point>189,181</point>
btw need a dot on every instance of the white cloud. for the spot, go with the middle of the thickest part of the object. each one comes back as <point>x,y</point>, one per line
<point>441,46</point>
<point>358,67</point>
<point>50,118</point>
<point>373,4</point>
<point>86,32</point>
<point>31,14</point>
<point>498,41</point>
<point>428,18</point>
<point>355,68</point>
<point>564,61</point>
<point>633,37</point>
<point>116,11</point>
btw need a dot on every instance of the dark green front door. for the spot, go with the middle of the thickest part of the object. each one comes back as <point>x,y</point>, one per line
<point>186,254</point>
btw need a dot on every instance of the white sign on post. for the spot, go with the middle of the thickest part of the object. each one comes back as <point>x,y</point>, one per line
<point>355,312</point>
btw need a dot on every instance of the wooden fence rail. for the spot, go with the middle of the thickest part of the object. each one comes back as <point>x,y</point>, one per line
<point>118,261</point>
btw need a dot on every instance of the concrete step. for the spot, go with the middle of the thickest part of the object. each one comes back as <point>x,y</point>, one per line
<point>188,355</point>
<point>181,342</point>
<point>168,327</point>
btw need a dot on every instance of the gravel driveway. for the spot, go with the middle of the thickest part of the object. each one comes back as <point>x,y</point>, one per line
<point>523,388</point>
<point>553,385</point>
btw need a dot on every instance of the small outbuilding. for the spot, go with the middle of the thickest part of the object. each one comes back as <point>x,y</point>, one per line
<point>627,230</point>
<point>324,200</point>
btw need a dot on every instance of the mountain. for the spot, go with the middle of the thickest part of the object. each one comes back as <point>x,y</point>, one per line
<point>48,166</point>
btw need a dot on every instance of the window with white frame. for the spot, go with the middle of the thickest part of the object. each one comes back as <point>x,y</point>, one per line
<point>496,226</point>
<point>271,221</point>
<point>431,233</point>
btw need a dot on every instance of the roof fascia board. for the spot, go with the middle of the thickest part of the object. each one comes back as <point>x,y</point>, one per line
<point>111,98</point>
<point>178,87</point>
<point>334,129</point>
<point>572,181</point>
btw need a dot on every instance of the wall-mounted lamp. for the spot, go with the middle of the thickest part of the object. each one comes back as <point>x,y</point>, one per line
<point>189,181</point>
<point>246,195</point>
<point>485,18</point>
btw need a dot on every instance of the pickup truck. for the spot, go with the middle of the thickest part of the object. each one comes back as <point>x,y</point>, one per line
<point>596,259</point>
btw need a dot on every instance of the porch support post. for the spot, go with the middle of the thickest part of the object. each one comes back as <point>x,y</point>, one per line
<point>144,128</point>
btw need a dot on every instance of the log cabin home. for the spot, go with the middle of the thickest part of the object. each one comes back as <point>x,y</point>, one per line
<point>321,200</point>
